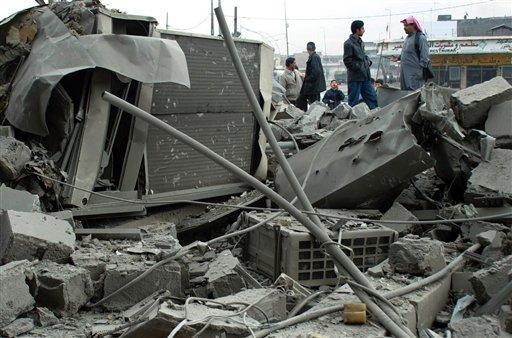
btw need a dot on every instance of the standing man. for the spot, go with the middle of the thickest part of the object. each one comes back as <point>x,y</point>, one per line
<point>358,68</point>
<point>291,80</point>
<point>333,97</point>
<point>414,60</point>
<point>314,79</point>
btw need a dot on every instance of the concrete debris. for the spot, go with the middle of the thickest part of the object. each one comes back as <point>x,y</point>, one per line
<point>416,256</point>
<point>222,278</point>
<point>475,327</point>
<point>46,317</point>
<point>493,177</point>
<point>96,242</point>
<point>18,327</point>
<point>18,200</point>
<point>471,105</point>
<point>63,289</point>
<point>489,281</point>
<point>30,235</point>
<point>13,157</point>
<point>400,213</point>
<point>15,296</point>
<point>499,124</point>
<point>166,277</point>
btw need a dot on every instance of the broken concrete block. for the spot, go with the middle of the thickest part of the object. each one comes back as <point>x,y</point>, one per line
<point>499,123</point>
<point>15,297</point>
<point>489,281</point>
<point>461,283</point>
<point>13,157</point>
<point>400,213</point>
<point>31,235</point>
<point>170,315</point>
<point>490,237</point>
<point>475,327</point>
<point>18,327</point>
<point>470,230</point>
<point>416,256</point>
<point>472,104</point>
<point>95,262</point>
<point>429,302</point>
<point>45,317</point>
<point>166,277</point>
<point>272,303</point>
<point>18,200</point>
<point>359,111</point>
<point>62,288</point>
<point>505,317</point>
<point>493,177</point>
<point>221,275</point>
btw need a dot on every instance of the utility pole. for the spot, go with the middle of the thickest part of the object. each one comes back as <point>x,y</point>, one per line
<point>235,23</point>
<point>286,30</point>
<point>212,28</point>
<point>167,20</point>
<point>325,44</point>
<point>219,4</point>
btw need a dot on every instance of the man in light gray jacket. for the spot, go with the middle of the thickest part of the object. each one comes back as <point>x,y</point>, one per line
<point>414,60</point>
<point>291,80</point>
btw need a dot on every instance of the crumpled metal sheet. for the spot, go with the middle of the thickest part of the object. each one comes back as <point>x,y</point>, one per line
<point>56,53</point>
<point>365,164</point>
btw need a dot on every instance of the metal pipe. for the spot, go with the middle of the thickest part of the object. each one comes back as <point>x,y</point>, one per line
<point>320,234</point>
<point>260,117</point>
<point>315,226</point>
<point>346,263</point>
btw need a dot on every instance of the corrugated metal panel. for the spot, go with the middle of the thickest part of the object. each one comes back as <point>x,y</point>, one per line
<point>214,111</point>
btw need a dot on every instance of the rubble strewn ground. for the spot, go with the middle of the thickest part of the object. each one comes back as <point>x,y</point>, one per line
<point>417,194</point>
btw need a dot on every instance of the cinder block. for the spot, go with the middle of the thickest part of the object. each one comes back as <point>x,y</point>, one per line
<point>32,235</point>
<point>472,104</point>
<point>15,297</point>
<point>62,288</point>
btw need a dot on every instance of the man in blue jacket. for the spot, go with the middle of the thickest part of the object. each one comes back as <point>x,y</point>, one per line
<point>358,68</point>
<point>314,79</point>
<point>333,97</point>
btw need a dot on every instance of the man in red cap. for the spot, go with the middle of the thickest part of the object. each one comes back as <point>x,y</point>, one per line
<point>414,60</point>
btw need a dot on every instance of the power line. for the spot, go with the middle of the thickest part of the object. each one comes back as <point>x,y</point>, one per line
<point>187,29</point>
<point>368,16</point>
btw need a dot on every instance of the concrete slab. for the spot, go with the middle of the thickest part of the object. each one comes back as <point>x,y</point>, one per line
<point>400,213</point>
<point>489,281</point>
<point>471,105</point>
<point>222,278</point>
<point>31,235</point>
<point>493,177</point>
<point>18,200</point>
<point>499,121</point>
<point>166,277</point>
<point>62,288</point>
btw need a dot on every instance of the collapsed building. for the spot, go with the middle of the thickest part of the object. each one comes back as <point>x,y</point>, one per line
<point>118,221</point>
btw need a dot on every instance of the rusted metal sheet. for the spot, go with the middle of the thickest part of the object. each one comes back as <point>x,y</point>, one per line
<point>365,164</point>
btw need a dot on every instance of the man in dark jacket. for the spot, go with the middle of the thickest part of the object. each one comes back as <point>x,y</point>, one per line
<point>333,97</point>
<point>314,79</point>
<point>358,68</point>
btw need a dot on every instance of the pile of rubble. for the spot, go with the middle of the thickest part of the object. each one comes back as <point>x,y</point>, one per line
<point>415,196</point>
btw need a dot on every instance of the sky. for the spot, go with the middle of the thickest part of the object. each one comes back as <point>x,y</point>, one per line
<point>326,22</point>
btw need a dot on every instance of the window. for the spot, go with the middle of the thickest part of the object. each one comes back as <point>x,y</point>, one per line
<point>447,76</point>
<point>479,74</point>
<point>506,72</point>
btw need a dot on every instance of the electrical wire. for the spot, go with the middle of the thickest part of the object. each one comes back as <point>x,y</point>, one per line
<point>288,133</point>
<point>242,207</point>
<point>362,17</point>
<point>188,29</point>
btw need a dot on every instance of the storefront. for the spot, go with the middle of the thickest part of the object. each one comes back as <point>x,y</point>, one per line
<point>464,61</point>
